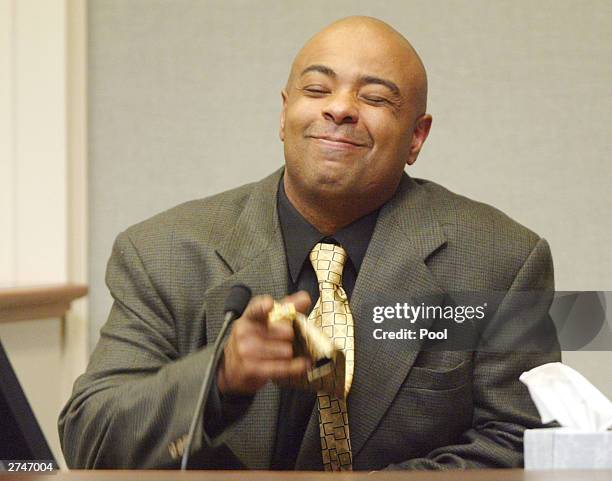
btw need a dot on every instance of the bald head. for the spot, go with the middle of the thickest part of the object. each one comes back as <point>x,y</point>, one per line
<point>353,117</point>
<point>375,38</point>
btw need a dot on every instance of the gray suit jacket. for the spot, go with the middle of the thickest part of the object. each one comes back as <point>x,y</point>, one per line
<point>169,277</point>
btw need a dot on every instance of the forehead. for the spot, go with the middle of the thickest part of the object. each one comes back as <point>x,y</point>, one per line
<point>358,53</point>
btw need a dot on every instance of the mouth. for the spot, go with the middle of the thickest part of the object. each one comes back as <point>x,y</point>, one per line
<point>338,142</point>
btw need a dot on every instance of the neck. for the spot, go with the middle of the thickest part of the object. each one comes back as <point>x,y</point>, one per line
<point>329,214</point>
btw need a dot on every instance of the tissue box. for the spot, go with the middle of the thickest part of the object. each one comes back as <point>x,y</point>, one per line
<point>566,448</point>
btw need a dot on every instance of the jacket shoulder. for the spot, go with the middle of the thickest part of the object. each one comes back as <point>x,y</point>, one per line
<point>206,219</point>
<point>485,247</point>
<point>467,215</point>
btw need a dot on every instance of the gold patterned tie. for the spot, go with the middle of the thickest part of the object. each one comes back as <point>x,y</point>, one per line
<point>332,315</point>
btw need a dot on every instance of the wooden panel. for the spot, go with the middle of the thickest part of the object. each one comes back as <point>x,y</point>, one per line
<point>455,475</point>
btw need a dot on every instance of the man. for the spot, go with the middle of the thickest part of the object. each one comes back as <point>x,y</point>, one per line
<point>353,115</point>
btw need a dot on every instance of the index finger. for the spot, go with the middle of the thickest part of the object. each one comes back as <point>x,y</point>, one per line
<point>258,309</point>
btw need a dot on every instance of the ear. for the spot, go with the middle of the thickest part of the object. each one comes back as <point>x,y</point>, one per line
<point>281,132</point>
<point>419,135</point>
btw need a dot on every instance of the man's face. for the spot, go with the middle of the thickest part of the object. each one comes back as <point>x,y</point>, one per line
<point>349,117</point>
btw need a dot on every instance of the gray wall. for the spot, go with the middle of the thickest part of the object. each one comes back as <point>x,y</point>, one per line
<point>184,102</point>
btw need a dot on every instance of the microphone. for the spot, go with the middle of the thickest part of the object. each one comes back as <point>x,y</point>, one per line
<point>236,302</point>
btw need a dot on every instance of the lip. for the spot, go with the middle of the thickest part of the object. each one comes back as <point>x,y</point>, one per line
<point>342,142</point>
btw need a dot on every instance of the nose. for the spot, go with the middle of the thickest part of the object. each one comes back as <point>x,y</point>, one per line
<point>341,109</point>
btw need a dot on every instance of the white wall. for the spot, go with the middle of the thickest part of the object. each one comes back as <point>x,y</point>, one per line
<point>41,177</point>
<point>7,161</point>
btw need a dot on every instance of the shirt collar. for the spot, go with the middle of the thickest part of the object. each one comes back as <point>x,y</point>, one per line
<point>300,236</point>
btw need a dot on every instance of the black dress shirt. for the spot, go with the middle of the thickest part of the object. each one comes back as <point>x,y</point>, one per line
<point>296,406</point>
<point>299,238</point>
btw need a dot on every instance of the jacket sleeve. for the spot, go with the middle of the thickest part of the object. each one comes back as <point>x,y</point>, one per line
<point>133,406</point>
<point>519,337</point>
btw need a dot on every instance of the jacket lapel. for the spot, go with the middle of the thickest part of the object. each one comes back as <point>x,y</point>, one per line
<point>393,271</point>
<point>254,252</point>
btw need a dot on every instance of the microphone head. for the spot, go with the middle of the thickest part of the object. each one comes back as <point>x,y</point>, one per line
<point>238,298</point>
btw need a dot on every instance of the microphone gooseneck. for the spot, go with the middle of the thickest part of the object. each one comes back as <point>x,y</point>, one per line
<point>235,304</point>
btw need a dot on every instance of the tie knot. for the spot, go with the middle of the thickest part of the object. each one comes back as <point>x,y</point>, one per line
<point>328,261</point>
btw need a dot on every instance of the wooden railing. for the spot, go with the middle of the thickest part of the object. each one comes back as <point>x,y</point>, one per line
<point>26,303</point>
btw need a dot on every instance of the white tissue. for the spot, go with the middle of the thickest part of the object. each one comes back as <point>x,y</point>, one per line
<point>563,394</point>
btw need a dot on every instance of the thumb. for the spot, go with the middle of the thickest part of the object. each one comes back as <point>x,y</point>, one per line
<point>301,301</point>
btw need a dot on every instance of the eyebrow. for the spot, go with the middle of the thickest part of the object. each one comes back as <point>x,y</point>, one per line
<point>366,79</point>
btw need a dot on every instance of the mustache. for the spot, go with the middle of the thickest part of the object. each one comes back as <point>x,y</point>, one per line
<point>343,134</point>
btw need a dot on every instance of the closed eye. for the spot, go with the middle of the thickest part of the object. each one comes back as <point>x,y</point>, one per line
<point>316,91</point>
<point>375,100</point>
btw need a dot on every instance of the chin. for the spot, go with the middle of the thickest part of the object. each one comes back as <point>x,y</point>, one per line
<point>325,176</point>
<point>330,186</point>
